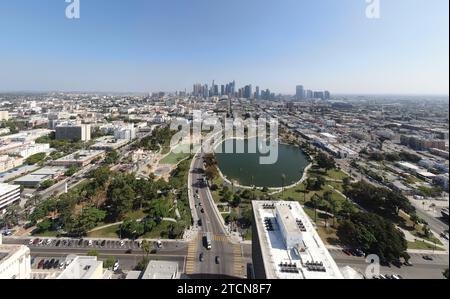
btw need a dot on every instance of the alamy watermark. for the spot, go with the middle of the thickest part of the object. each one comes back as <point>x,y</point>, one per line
<point>261,135</point>
<point>73,9</point>
<point>373,9</point>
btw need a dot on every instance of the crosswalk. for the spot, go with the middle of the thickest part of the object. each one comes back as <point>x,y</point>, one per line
<point>219,238</point>
<point>239,269</point>
<point>191,257</point>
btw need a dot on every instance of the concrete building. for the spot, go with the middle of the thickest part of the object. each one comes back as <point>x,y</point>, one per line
<point>28,150</point>
<point>9,194</point>
<point>420,143</point>
<point>286,245</point>
<point>161,270</point>
<point>15,262</point>
<point>4,115</point>
<point>73,132</point>
<point>80,158</point>
<point>126,133</point>
<point>34,179</point>
<point>85,267</point>
<point>9,162</point>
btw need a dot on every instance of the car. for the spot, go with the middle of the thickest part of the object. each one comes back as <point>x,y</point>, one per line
<point>41,242</point>
<point>46,263</point>
<point>31,242</point>
<point>90,243</point>
<point>358,252</point>
<point>408,264</point>
<point>200,204</point>
<point>122,243</point>
<point>129,251</point>
<point>41,264</point>
<point>217,260</point>
<point>48,242</point>
<point>116,266</point>
<point>36,242</point>
<point>80,242</point>
<point>58,243</point>
<point>199,222</point>
<point>201,257</point>
<point>61,265</point>
<point>202,211</point>
<point>347,252</point>
<point>103,243</point>
<point>396,276</point>
<point>51,263</point>
<point>381,276</point>
<point>427,258</point>
<point>159,244</point>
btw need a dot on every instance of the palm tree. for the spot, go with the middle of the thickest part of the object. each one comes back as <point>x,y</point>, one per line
<point>146,247</point>
<point>315,202</point>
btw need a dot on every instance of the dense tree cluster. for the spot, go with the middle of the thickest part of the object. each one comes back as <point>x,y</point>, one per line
<point>374,235</point>
<point>381,201</point>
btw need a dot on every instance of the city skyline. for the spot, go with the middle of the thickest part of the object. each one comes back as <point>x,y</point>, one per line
<point>167,46</point>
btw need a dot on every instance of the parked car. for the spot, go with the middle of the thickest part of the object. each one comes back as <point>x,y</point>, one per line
<point>90,243</point>
<point>201,257</point>
<point>31,242</point>
<point>347,252</point>
<point>427,258</point>
<point>116,266</point>
<point>217,260</point>
<point>41,264</point>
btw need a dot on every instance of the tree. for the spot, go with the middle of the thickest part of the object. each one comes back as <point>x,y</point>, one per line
<point>93,252</point>
<point>47,184</point>
<point>132,229</point>
<point>109,263</point>
<point>415,220</point>
<point>36,158</point>
<point>101,176</point>
<point>112,157</point>
<point>326,162</point>
<point>374,235</point>
<point>44,225</point>
<point>120,197</point>
<point>71,171</point>
<point>318,184</point>
<point>87,220</point>
<point>146,247</point>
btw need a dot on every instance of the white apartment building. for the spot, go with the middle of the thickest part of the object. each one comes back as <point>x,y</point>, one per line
<point>8,194</point>
<point>15,262</point>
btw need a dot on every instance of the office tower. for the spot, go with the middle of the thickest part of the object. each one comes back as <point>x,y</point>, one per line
<point>222,90</point>
<point>319,95</point>
<point>257,93</point>
<point>327,95</point>
<point>309,94</point>
<point>248,92</point>
<point>300,93</point>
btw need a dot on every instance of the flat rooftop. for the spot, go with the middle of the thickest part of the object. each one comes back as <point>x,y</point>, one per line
<point>309,259</point>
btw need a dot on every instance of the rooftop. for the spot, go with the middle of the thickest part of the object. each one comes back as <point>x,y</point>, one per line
<point>290,245</point>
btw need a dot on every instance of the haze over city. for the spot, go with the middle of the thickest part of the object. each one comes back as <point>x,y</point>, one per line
<point>144,46</point>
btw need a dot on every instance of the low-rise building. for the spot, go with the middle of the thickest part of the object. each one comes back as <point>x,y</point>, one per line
<point>9,162</point>
<point>161,270</point>
<point>9,194</point>
<point>85,267</point>
<point>79,158</point>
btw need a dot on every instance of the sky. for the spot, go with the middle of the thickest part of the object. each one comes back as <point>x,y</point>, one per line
<point>168,45</point>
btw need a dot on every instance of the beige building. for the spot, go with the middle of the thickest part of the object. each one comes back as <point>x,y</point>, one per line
<point>4,115</point>
<point>15,262</point>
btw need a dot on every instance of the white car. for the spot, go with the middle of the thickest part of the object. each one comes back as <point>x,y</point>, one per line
<point>116,266</point>
<point>41,242</point>
<point>49,241</point>
<point>90,243</point>
<point>122,243</point>
<point>31,242</point>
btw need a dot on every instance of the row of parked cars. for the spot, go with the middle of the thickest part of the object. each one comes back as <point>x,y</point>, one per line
<point>47,264</point>
<point>354,252</point>
<point>382,276</point>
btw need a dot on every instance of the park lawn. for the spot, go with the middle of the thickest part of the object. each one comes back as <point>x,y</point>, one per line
<point>135,215</point>
<point>174,158</point>
<point>423,246</point>
<point>327,234</point>
<point>336,174</point>
<point>159,231</point>
<point>107,232</point>
<point>417,232</point>
<point>297,194</point>
<point>48,234</point>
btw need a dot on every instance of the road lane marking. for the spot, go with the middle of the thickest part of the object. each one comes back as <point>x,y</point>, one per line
<point>192,255</point>
<point>239,269</point>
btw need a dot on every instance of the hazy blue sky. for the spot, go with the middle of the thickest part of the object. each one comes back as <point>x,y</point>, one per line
<point>150,45</point>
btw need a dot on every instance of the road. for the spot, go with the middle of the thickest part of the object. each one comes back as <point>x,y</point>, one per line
<point>129,254</point>
<point>421,268</point>
<point>232,256</point>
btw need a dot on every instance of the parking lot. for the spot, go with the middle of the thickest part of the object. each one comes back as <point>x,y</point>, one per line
<point>84,244</point>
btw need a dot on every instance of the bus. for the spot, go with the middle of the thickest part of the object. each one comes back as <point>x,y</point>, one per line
<point>207,241</point>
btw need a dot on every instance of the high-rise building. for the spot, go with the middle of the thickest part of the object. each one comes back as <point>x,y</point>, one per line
<point>248,92</point>
<point>73,132</point>
<point>300,92</point>
<point>327,95</point>
<point>257,93</point>
<point>309,94</point>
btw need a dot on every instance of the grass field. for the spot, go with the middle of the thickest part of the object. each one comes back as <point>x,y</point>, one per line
<point>422,246</point>
<point>107,232</point>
